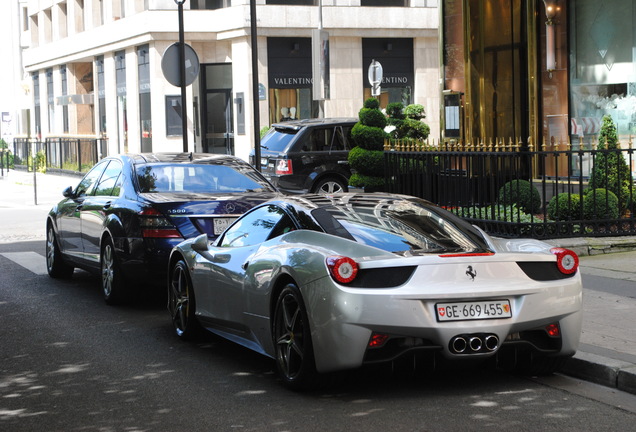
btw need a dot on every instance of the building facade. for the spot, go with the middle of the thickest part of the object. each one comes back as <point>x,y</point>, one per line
<point>95,67</point>
<point>545,69</point>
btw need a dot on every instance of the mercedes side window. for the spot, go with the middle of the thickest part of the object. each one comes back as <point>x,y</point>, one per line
<point>109,180</point>
<point>87,185</point>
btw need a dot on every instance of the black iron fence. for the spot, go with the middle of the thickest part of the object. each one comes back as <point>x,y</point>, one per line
<point>513,190</point>
<point>63,153</point>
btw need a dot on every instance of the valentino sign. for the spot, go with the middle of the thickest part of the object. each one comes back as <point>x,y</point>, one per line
<point>303,82</point>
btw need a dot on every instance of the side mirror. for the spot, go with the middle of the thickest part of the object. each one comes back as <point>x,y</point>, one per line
<point>200,244</point>
<point>68,192</point>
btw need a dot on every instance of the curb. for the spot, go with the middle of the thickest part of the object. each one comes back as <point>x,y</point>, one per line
<point>601,370</point>
<point>589,246</point>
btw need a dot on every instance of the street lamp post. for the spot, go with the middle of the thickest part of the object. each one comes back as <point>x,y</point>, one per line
<point>255,96</point>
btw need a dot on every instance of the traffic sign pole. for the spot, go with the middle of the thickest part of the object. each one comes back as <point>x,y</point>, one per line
<point>184,110</point>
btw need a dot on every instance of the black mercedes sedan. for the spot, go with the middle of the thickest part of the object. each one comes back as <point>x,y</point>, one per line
<point>129,211</point>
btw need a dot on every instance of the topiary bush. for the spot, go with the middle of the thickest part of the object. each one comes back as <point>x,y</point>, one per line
<point>522,193</point>
<point>610,170</point>
<point>395,111</point>
<point>368,135</point>
<point>565,207</point>
<point>600,204</point>
<point>407,121</point>
<point>415,112</point>
<point>371,162</point>
<point>372,118</point>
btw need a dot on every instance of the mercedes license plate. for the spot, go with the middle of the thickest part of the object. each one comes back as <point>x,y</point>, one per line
<point>220,223</point>
<point>477,310</point>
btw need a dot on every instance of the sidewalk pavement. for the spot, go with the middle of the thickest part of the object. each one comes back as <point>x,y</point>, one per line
<point>607,354</point>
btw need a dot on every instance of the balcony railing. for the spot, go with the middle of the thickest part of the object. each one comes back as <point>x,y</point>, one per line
<point>469,179</point>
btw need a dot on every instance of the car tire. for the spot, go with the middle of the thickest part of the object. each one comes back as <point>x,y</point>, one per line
<point>113,286</point>
<point>181,302</point>
<point>330,186</point>
<point>293,347</point>
<point>55,264</point>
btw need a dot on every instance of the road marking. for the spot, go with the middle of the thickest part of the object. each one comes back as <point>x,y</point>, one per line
<point>32,261</point>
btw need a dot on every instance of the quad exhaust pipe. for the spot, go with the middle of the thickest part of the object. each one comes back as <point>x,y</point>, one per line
<point>474,343</point>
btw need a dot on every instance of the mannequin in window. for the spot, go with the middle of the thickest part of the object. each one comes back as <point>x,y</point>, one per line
<point>292,113</point>
<point>285,114</point>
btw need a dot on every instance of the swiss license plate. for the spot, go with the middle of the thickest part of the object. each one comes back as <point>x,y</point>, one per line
<point>221,223</point>
<point>478,310</point>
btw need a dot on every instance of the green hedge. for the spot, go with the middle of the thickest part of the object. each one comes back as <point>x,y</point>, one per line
<point>522,193</point>
<point>564,207</point>
<point>600,204</point>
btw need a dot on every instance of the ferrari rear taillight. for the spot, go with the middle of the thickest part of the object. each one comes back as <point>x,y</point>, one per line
<point>342,269</point>
<point>154,224</point>
<point>284,167</point>
<point>567,260</point>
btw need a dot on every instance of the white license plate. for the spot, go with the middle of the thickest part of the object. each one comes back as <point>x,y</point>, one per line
<point>221,223</point>
<point>479,310</point>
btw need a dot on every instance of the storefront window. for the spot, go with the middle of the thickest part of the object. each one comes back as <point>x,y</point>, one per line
<point>602,67</point>
<point>122,120</point>
<point>36,103</point>
<point>209,4</point>
<point>290,79</point>
<point>384,3</point>
<point>50,99</point>
<point>145,118</point>
<point>396,58</point>
<point>65,126</point>
<point>101,94</point>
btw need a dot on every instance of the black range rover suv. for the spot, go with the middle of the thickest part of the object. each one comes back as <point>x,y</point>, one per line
<point>309,155</point>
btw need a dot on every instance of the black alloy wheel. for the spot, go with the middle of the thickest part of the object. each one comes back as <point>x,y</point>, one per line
<point>292,341</point>
<point>55,265</point>
<point>112,279</point>
<point>181,303</point>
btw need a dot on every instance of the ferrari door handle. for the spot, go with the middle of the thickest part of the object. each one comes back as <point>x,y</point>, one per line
<point>245,264</point>
<point>107,205</point>
<point>79,207</point>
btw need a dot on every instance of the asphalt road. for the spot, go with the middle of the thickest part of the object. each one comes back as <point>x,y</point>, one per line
<point>68,362</point>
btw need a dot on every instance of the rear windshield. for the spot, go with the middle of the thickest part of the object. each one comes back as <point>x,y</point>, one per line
<point>277,140</point>
<point>208,178</point>
<point>405,228</point>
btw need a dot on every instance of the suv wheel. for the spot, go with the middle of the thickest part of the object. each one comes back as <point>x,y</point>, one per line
<point>330,186</point>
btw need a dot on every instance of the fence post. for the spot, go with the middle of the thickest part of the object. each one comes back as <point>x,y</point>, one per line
<point>79,155</point>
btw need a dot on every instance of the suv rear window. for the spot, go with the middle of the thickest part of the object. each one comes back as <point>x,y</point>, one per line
<point>278,139</point>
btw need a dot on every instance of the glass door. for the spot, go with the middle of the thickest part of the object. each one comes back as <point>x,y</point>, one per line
<point>217,113</point>
<point>219,131</point>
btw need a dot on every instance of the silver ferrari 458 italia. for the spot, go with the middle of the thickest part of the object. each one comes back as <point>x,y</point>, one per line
<point>327,283</point>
